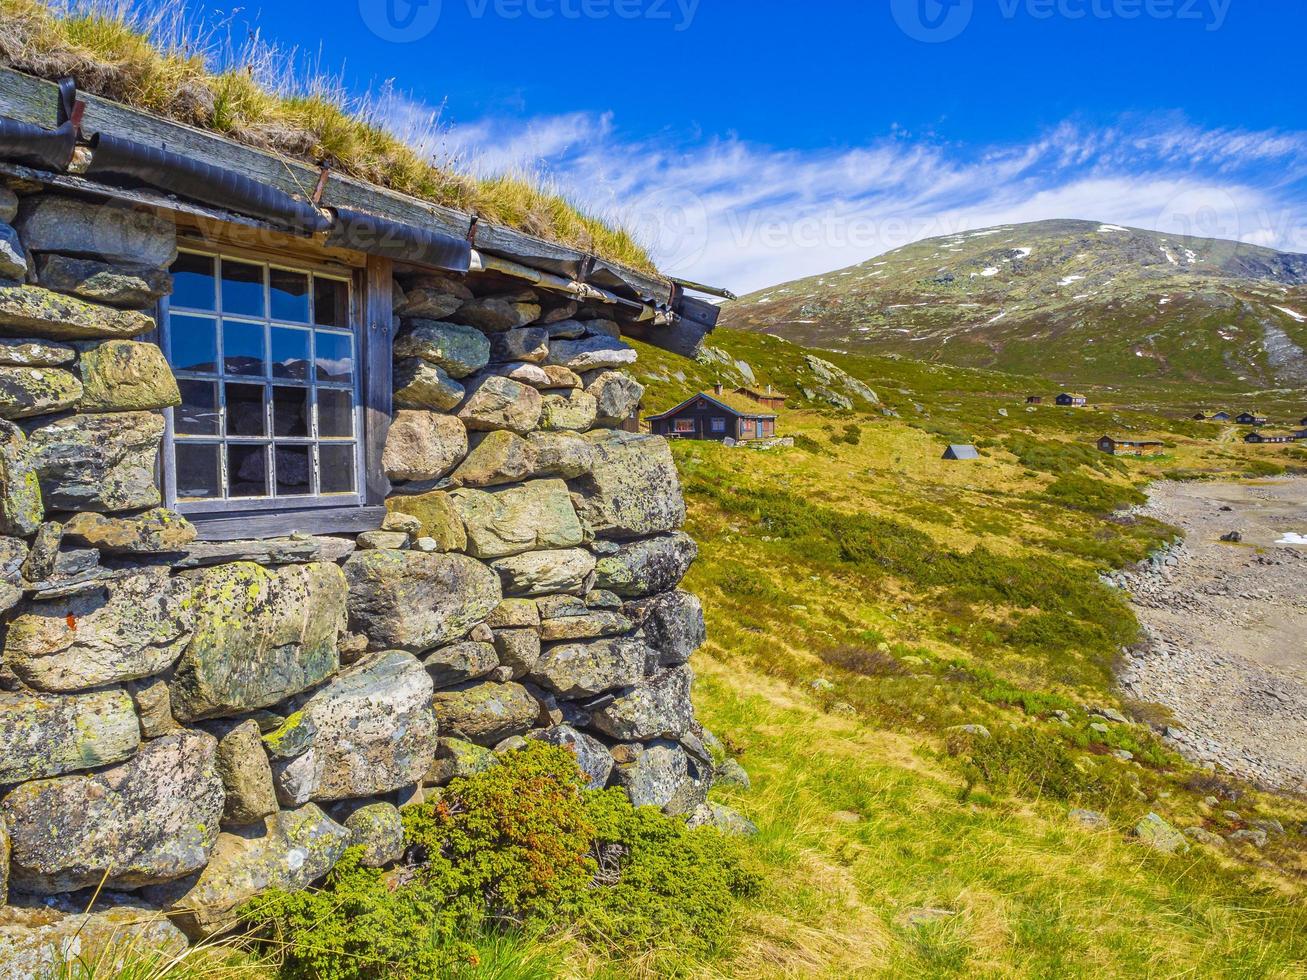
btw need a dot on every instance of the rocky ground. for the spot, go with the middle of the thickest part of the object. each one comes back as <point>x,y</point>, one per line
<point>1225,627</point>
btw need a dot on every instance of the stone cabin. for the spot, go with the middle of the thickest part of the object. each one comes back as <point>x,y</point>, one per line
<point>718,416</point>
<point>1070,400</point>
<point>1131,447</point>
<point>308,504</point>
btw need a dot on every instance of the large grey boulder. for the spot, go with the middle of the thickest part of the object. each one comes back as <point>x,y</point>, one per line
<point>632,489</point>
<point>569,410</point>
<point>133,287</point>
<point>562,454</point>
<point>495,314</point>
<point>125,376</point>
<point>532,516</point>
<point>40,940</point>
<point>123,629</point>
<point>412,601</point>
<point>582,670</point>
<point>496,458</point>
<point>422,385</point>
<point>518,650</point>
<point>106,231</point>
<point>21,510</point>
<point>457,758</point>
<point>430,295</point>
<point>592,756</point>
<point>49,735</point>
<point>673,625</point>
<point>372,731</point>
<point>617,396</point>
<point>246,776</point>
<point>13,260</point>
<point>658,708</point>
<point>29,391</point>
<point>546,572</point>
<point>591,353</point>
<point>291,851</point>
<point>151,819</point>
<point>493,402</point>
<point>423,445</point>
<point>459,662</point>
<point>660,774</point>
<point>587,625</point>
<point>98,462</point>
<point>484,712</point>
<point>529,344</point>
<point>378,828</point>
<point>259,636</point>
<point>460,350</point>
<point>31,310</point>
<point>642,568</point>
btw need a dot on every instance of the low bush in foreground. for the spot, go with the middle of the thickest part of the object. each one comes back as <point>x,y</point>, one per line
<point>517,850</point>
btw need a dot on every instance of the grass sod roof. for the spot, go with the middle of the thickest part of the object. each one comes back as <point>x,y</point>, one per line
<point>147,57</point>
<point>736,403</point>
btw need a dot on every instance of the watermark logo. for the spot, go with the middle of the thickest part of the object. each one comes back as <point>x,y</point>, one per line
<point>932,21</point>
<point>400,21</point>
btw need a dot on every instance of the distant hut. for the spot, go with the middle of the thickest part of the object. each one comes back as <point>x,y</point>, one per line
<point>961,452</point>
<point>1200,417</point>
<point>1221,417</point>
<point>1039,400</point>
<point>1071,400</point>
<point>1131,447</point>
<point>770,399</point>
<point>717,416</point>
<point>1250,418</point>
<point>1261,437</point>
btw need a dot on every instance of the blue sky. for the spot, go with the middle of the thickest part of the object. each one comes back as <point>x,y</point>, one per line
<point>754,142</point>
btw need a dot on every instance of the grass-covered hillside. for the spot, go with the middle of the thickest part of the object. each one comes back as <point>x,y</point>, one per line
<point>1087,302</point>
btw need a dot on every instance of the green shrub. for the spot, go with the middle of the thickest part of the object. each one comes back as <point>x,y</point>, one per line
<point>1086,493</point>
<point>519,847</point>
<point>1058,457</point>
<point>808,444</point>
<point>1027,762</point>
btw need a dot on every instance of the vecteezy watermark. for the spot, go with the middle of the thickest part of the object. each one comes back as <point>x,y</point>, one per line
<point>937,21</point>
<point>406,21</point>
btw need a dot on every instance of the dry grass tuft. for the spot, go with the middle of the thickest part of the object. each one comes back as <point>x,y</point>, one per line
<point>149,55</point>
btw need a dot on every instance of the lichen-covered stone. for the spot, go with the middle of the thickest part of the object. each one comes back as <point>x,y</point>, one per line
<point>496,458</point>
<point>373,732</point>
<point>31,310</point>
<point>493,402</point>
<point>561,377</point>
<point>537,515</point>
<point>150,819</point>
<point>566,455</point>
<point>13,260</point>
<point>427,303</point>
<point>153,706</point>
<point>381,539</point>
<point>673,625</point>
<point>246,776</point>
<point>29,391</point>
<point>518,650</point>
<point>591,353</point>
<point>457,758</point>
<point>129,286</point>
<point>617,396</point>
<point>587,626</point>
<point>658,708</point>
<point>378,828</point>
<point>440,519</point>
<point>259,636</point>
<point>643,568</point>
<point>494,314</point>
<point>422,385</point>
<point>484,712</point>
<point>520,371</point>
<point>126,376</point>
<point>660,774</point>
<point>1155,833</point>
<point>43,735</point>
<point>21,509</point>
<point>592,756</point>
<point>423,445</point>
<point>4,872</point>
<point>124,629</point>
<point>40,940</point>
<point>459,350</point>
<point>515,614</point>
<point>294,849</point>
<point>157,531</point>
<point>545,572</point>
<point>107,231</point>
<point>98,462</point>
<point>529,344</point>
<point>632,489</point>
<point>582,670</point>
<point>460,662</point>
<point>412,601</point>
<point>31,352</point>
<point>8,205</point>
<point>570,410</point>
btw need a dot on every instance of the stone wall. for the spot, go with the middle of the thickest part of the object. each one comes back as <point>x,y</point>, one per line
<point>187,723</point>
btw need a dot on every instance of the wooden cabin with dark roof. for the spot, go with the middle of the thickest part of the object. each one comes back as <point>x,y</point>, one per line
<point>1072,400</point>
<point>716,415</point>
<point>1131,447</point>
<point>1250,418</point>
<point>771,399</point>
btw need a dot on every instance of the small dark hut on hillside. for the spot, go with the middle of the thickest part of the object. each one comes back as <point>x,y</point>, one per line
<point>961,452</point>
<point>1130,447</point>
<point>1034,399</point>
<point>1250,418</point>
<point>718,415</point>
<point>1220,417</point>
<point>1260,437</point>
<point>1072,400</point>
<point>771,399</point>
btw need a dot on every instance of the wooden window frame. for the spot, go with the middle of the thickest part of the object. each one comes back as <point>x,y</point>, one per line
<point>267,517</point>
<point>677,423</point>
<point>718,424</point>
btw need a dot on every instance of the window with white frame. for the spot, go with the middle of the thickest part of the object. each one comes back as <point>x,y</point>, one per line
<point>684,425</point>
<point>267,359</point>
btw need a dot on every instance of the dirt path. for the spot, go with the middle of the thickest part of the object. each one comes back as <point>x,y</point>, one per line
<point>1226,626</point>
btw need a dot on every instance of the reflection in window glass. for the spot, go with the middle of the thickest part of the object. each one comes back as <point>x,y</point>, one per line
<point>337,467</point>
<point>290,412</point>
<point>242,348</point>
<point>330,302</point>
<point>290,295</point>
<point>198,413</point>
<point>335,413</point>
<point>335,356</point>
<point>294,470</point>
<point>193,284</point>
<point>198,476</point>
<point>242,288</point>
<point>194,343</point>
<point>246,413</point>
<point>247,470</point>
<point>290,353</point>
